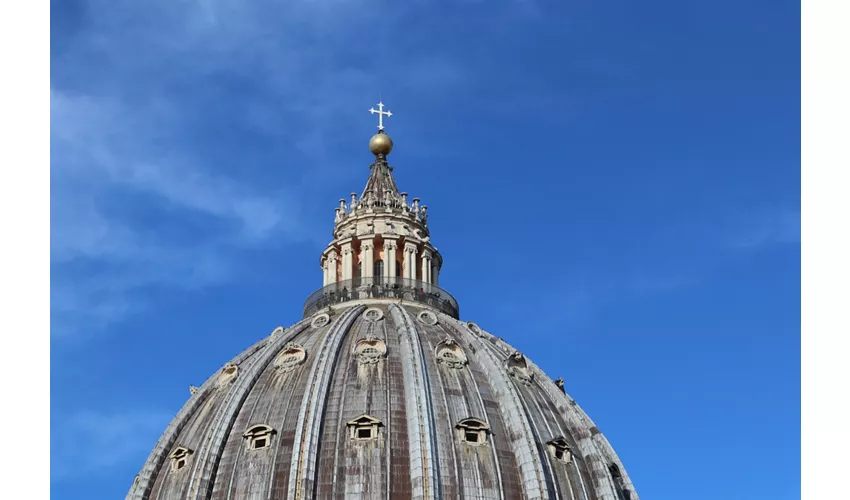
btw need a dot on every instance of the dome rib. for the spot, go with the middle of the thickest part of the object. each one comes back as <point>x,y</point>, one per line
<point>510,407</point>
<point>579,426</point>
<point>204,469</point>
<point>424,463</point>
<point>169,438</point>
<point>303,470</point>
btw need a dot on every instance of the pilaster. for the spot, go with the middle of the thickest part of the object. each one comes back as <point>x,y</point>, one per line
<point>390,246</point>
<point>410,260</point>
<point>332,261</point>
<point>347,259</point>
<point>367,255</point>
<point>426,265</point>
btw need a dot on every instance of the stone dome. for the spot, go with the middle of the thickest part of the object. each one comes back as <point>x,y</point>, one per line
<point>379,392</point>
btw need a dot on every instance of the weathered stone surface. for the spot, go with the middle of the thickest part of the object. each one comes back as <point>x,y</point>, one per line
<point>381,395</point>
<point>417,452</point>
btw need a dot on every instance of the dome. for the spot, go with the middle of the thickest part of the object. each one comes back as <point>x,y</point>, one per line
<point>381,391</point>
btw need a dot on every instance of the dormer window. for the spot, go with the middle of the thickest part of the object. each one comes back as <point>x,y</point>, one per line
<point>560,449</point>
<point>363,428</point>
<point>179,458</point>
<point>473,431</point>
<point>259,436</point>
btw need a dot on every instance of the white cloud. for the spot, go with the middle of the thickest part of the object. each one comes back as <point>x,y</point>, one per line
<point>765,228</point>
<point>132,82</point>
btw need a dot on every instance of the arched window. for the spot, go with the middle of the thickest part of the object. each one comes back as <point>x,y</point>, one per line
<point>398,269</point>
<point>473,431</point>
<point>259,436</point>
<point>379,269</point>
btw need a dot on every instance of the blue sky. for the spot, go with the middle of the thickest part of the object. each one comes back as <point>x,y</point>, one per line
<point>621,179</point>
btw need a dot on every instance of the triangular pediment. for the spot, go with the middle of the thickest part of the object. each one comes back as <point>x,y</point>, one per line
<point>364,420</point>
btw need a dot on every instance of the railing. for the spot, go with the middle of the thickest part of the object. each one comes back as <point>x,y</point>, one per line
<point>381,288</point>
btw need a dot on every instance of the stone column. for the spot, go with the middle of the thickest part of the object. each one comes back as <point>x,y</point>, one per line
<point>324,271</point>
<point>347,260</point>
<point>332,261</point>
<point>410,261</point>
<point>426,265</point>
<point>389,258</point>
<point>367,256</point>
<point>435,273</point>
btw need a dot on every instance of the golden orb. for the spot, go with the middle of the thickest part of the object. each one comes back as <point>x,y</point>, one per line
<point>380,144</point>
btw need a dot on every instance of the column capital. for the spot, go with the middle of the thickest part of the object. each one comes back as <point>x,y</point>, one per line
<point>426,253</point>
<point>410,247</point>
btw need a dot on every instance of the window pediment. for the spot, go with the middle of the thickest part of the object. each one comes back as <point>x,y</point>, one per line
<point>259,436</point>
<point>363,428</point>
<point>473,431</point>
<point>180,457</point>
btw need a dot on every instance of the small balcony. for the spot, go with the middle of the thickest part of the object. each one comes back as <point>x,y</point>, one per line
<point>382,288</point>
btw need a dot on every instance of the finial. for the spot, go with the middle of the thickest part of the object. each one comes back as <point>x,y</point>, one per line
<point>380,144</point>
<point>381,114</point>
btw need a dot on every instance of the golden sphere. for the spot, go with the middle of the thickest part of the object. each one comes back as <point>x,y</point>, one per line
<point>380,144</point>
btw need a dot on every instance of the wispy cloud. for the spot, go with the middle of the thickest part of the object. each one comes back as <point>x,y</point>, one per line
<point>90,443</point>
<point>765,228</point>
<point>143,93</point>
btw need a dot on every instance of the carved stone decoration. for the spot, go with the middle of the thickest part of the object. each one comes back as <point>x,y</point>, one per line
<point>193,389</point>
<point>291,356</point>
<point>518,368</point>
<point>373,314</point>
<point>227,375</point>
<point>449,353</point>
<point>560,449</point>
<point>427,318</point>
<point>277,331</point>
<point>473,431</point>
<point>370,350</point>
<point>320,320</point>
